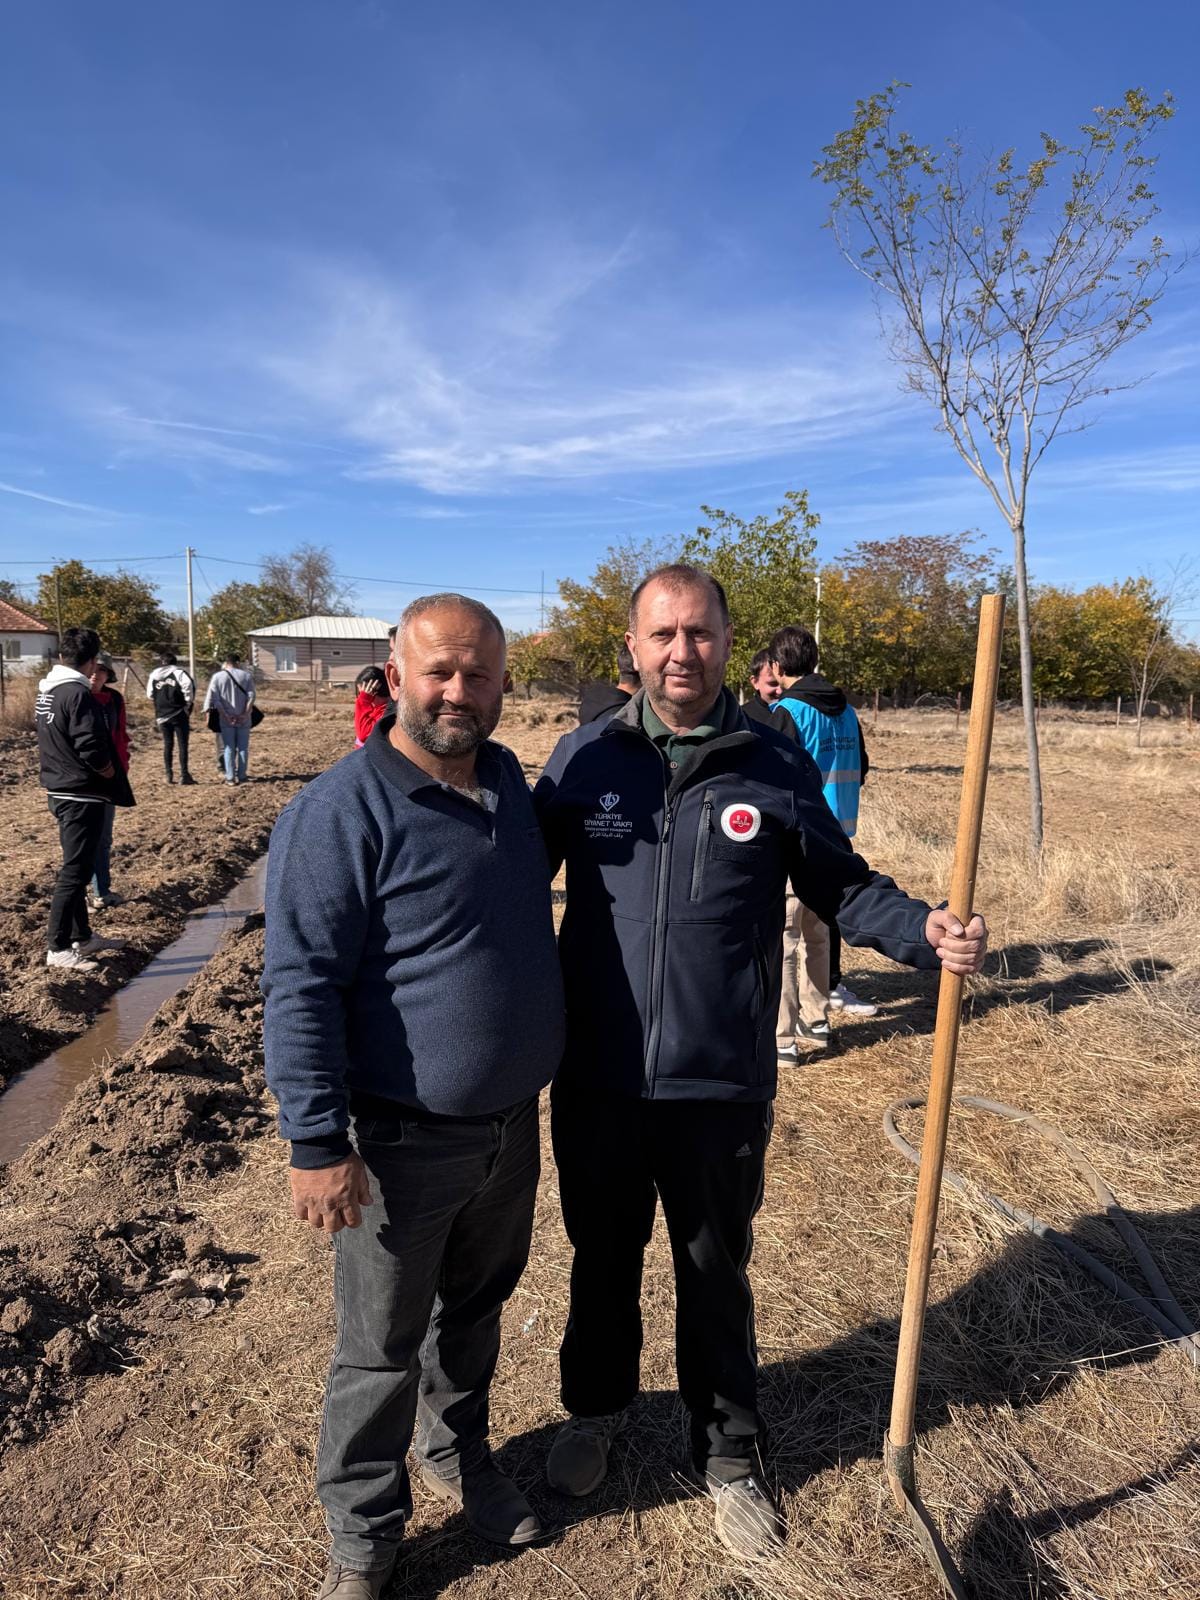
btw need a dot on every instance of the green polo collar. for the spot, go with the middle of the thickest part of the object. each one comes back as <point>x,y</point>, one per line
<point>680,748</point>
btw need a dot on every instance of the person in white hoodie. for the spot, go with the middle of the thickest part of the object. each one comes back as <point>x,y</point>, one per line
<point>82,777</point>
<point>230,694</point>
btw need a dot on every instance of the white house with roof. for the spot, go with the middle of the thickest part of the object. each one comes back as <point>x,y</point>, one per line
<point>25,643</point>
<point>319,649</point>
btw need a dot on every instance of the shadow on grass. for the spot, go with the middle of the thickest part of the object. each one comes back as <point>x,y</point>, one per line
<point>1016,1334</point>
<point>908,1002</point>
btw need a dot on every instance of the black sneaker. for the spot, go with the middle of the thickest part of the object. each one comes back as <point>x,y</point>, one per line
<point>187,778</point>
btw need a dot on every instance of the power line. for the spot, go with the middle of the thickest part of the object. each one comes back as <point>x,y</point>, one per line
<point>358,577</point>
<point>100,561</point>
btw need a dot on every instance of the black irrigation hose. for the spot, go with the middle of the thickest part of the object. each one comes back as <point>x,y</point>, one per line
<point>1163,1310</point>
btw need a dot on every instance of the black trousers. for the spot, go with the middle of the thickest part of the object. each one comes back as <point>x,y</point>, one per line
<point>80,825</point>
<point>704,1160</point>
<point>177,730</point>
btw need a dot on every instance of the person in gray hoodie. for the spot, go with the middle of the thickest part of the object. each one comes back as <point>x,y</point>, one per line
<point>231,695</point>
<point>83,777</point>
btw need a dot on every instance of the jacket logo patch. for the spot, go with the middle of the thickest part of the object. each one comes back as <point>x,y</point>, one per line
<point>741,821</point>
<point>607,822</point>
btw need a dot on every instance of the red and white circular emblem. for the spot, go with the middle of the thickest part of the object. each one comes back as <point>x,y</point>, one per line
<point>741,821</point>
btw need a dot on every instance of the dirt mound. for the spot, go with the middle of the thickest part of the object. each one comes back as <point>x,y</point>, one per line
<point>98,1253</point>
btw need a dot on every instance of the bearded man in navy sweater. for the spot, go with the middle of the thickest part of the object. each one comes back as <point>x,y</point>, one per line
<point>414,1011</point>
<point>681,827</point>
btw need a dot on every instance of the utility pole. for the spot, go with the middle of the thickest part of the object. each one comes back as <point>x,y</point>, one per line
<point>58,604</point>
<point>542,608</point>
<point>817,625</point>
<point>191,614</point>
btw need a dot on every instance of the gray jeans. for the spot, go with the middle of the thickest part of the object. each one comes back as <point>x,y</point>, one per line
<point>419,1288</point>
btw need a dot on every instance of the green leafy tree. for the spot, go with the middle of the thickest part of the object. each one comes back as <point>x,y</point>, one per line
<point>534,657</point>
<point>591,618</point>
<point>222,624</point>
<point>1005,290</point>
<point>123,608</point>
<point>766,567</point>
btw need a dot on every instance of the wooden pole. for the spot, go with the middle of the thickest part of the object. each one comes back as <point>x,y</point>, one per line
<point>901,1471</point>
<point>957,710</point>
<point>191,617</point>
<point>1118,711</point>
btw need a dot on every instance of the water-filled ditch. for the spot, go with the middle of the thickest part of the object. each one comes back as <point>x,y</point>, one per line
<point>34,1101</point>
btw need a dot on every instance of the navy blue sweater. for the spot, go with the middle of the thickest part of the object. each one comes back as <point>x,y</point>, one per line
<point>410,946</point>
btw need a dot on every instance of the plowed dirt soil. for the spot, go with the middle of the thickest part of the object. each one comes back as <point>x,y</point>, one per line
<point>176,850</point>
<point>165,1325</point>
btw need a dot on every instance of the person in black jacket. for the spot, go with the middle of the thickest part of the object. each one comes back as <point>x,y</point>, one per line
<point>601,699</point>
<point>173,690</point>
<point>680,828</point>
<point>82,776</point>
<point>760,708</point>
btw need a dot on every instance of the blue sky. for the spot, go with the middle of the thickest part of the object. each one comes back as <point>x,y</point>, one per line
<point>469,291</point>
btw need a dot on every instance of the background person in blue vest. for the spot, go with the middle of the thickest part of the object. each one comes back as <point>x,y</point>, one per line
<point>414,1000</point>
<point>830,731</point>
<point>680,826</point>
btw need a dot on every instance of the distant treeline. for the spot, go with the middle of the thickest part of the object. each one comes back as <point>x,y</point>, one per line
<point>896,615</point>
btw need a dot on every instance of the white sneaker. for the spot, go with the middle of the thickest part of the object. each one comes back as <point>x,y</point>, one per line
<point>843,999</point>
<point>92,946</point>
<point>70,959</point>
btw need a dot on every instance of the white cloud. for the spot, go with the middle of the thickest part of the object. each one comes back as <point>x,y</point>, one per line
<point>272,509</point>
<point>53,500</point>
<point>565,391</point>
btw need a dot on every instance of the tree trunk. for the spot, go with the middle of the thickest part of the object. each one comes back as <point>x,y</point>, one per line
<point>1027,702</point>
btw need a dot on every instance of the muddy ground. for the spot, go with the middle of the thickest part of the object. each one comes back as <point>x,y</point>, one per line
<point>165,1325</point>
<point>178,849</point>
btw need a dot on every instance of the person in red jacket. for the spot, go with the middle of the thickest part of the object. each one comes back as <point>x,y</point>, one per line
<point>372,703</point>
<point>112,704</point>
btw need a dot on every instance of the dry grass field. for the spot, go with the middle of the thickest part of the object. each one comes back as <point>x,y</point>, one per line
<point>164,1361</point>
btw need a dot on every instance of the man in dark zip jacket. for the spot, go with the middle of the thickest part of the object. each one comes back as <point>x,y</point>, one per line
<point>680,828</point>
<point>83,777</point>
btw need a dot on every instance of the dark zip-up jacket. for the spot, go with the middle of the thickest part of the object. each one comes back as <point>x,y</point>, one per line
<point>601,698</point>
<point>672,938</point>
<point>74,741</point>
